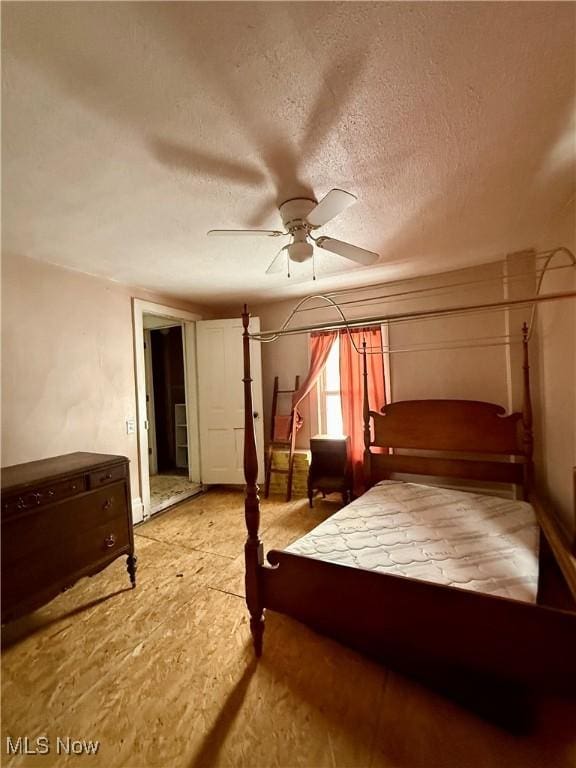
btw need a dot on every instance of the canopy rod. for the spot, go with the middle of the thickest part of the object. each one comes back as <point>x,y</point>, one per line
<point>419,278</point>
<point>438,347</point>
<point>435,290</point>
<point>420,314</point>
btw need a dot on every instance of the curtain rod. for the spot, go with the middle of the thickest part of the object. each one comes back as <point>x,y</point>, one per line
<point>420,314</point>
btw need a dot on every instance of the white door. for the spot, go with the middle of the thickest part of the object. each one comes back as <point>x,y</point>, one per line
<point>221,399</point>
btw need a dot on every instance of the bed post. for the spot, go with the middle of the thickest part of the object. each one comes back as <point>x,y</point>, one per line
<point>366,413</point>
<point>527,415</point>
<point>253,550</point>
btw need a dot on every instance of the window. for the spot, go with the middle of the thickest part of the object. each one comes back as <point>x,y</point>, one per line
<point>329,402</point>
<point>329,399</point>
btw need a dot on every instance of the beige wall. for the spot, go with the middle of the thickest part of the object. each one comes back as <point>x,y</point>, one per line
<point>68,381</point>
<point>556,436</point>
<point>479,374</point>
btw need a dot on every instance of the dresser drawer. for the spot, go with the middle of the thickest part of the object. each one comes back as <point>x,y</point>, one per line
<point>43,494</point>
<point>107,476</point>
<point>30,535</point>
<point>66,559</point>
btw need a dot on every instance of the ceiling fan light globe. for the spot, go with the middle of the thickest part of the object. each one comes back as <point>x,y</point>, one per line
<point>300,252</point>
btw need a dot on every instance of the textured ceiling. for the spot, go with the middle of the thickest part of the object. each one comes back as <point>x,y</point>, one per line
<point>130,129</point>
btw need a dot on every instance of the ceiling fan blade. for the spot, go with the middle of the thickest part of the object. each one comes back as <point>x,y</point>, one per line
<point>330,206</point>
<point>352,252</point>
<point>245,233</point>
<point>277,262</point>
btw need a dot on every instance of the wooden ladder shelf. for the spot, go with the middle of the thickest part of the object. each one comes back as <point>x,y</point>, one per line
<point>282,441</point>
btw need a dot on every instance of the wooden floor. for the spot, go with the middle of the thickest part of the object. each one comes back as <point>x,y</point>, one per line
<point>164,675</point>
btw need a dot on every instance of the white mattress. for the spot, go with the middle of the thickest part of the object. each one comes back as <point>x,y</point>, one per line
<point>467,540</point>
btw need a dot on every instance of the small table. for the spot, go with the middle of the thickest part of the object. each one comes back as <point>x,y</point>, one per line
<point>330,468</point>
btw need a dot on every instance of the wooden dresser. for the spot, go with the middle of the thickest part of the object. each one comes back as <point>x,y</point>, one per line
<point>62,518</point>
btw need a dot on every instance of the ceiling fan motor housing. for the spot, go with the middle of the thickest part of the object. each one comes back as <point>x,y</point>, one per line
<point>294,216</point>
<point>294,212</point>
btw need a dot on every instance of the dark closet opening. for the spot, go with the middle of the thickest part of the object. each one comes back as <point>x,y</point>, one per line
<point>169,391</point>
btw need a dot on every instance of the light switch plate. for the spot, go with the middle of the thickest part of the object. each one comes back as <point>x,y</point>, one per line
<point>130,426</point>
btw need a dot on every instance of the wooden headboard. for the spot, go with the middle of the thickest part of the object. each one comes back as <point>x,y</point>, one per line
<point>502,443</point>
<point>454,426</point>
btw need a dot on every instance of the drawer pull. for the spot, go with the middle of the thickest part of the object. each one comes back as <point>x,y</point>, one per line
<point>106,476</point>
<point>107,504</point>
<point>109,541</point>
<point>33,499</point>
<point>51,492</point>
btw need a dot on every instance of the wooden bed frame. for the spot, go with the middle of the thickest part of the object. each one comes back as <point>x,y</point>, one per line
<point>436,632</point>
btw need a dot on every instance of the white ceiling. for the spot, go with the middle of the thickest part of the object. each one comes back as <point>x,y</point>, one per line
<point>130,129</point>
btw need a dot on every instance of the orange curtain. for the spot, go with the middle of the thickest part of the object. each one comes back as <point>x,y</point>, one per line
<point>320,346</point>
<point>352,391</point>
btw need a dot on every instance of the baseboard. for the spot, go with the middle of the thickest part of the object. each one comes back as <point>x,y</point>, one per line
<point>137,510</point>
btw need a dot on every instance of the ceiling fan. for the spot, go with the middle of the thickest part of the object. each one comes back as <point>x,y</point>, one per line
<point>300,216</point>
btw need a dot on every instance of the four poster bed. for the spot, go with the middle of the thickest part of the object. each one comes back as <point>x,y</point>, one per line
<point>443,584</point>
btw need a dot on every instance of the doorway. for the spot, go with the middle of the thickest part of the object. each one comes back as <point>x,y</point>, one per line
<point>167,413</point>
<point>213,403</point>
<point>148,317</point>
